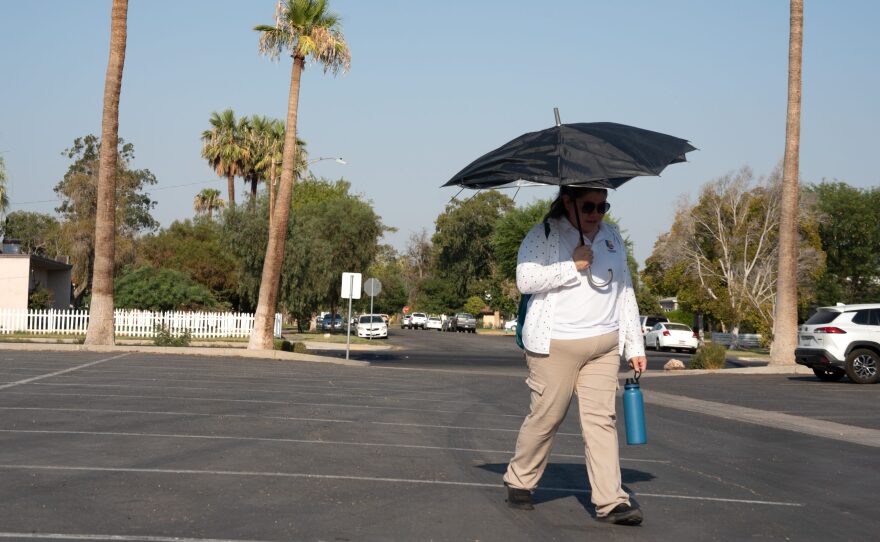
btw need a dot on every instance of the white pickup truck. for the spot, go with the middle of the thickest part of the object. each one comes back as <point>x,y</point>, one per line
<point>419,320</point>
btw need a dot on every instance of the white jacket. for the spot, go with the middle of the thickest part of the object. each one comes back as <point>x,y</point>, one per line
<point>544,273</point>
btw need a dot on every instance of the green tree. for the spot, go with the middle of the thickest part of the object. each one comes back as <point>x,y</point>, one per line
<point>39,233</point>
<point>79,203</point>
<point>724,248</point>
<point>207,201</point>
<point>331,232</point>
<point>509,232</point>
<point>328,238</point>
<point>151,289</point>
<point>223,147</point>
<point>387,267</point>
<point>199,249</point>
<point>850,237</point>
<point>310,31</point>
<point>463,248</point>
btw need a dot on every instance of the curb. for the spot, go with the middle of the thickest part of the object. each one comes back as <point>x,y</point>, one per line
<point>183,351</point>
<point>763,370</point>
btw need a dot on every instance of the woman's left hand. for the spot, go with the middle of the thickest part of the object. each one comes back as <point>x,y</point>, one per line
<point>639,363</point>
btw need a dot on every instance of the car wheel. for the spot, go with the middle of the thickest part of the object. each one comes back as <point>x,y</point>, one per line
<point>861,366</point>
<point>828,375</point>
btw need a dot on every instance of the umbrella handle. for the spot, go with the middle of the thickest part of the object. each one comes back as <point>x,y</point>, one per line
<point>598,285</point>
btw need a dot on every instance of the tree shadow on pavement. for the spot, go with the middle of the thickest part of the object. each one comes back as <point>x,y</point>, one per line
<point>570,480</point>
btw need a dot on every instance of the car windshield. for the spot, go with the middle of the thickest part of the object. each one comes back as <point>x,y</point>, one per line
<point>822,317</point>
<point>464,315</point>
<point>434,319</point>
<point>419,315</point>
<point>368,318</point>
<point>677,327</point>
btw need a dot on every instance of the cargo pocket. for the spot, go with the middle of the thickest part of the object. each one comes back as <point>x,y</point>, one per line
<point>535,385</point>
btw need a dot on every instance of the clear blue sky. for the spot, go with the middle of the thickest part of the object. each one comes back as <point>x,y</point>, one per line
<point>435,84</point>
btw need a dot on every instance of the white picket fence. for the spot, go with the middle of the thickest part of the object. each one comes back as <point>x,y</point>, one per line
<point>133,323</point>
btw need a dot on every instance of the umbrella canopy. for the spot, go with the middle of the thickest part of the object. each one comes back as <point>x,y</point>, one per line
<point>597,154</point>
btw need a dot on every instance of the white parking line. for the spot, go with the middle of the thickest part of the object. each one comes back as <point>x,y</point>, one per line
<point>119,537</point>
<point>283,418</point>
<point>369,479</point>
<point>271,439</point>
<point>238,382</point>
<point>56,373</point>
<point>297,441</point>
<point>343,393</point>
<point>271,402</point>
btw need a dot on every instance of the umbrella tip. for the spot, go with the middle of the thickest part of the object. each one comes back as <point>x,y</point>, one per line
<point>556,114</point>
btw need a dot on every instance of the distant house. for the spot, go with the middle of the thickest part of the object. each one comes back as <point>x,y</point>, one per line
<point>21,274</point>
<point>669,304</point>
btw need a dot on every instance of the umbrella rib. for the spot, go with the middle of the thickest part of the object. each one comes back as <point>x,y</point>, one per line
<point>456,195</point>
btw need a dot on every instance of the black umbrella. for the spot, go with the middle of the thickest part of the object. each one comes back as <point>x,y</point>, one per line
<point>589,154</point>
<point>597,154</point>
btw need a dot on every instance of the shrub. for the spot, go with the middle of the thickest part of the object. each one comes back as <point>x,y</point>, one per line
<point>709,356</point>
<point>146,288</point>
<point>287,346</point>
<point>165,338</point>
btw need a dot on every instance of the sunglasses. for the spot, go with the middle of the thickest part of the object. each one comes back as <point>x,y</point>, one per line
<point>588,207</point>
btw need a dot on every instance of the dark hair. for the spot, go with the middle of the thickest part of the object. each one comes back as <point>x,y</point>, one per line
<point>557,208</point>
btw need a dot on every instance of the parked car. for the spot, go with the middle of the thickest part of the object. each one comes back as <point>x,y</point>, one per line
<point>406,322</point>
<point>329,323</point>
<point>510,325</point>
<point>669,335</point>
<point>372,326</point>
<point>648,322</point>
<point>463,321</point>
<point>419,320</point>
<point>434,322</point>
<point>839,340</point>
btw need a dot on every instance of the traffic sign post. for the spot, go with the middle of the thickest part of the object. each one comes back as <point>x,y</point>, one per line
<point>372,288</point>
<point>351,289</point>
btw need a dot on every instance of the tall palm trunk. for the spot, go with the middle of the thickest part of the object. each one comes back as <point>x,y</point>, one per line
<point>272,190</point>
<point>101,308</point>
<point>264,323</point>
<point>785,319</point>
<point>230,185</point>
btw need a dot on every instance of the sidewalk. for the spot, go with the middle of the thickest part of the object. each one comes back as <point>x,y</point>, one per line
<point>224,352</point>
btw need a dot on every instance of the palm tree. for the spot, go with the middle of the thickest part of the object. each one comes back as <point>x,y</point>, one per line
<point>207,200</point>
<point>100,329</point>
<point>309,30</point>
<point>222,147</point>
<point>268,135</point>
<point>4,193</point>
<point>785,318</point>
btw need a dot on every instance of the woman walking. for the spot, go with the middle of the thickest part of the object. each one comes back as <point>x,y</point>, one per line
<point>582,316</point>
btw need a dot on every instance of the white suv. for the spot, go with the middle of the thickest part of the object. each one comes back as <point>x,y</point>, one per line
<point>842,340</point>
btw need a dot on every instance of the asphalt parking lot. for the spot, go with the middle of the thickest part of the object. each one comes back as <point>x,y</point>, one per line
<point>135,446</point>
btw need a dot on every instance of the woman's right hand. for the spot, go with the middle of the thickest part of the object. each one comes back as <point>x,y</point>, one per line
<point>583,257</point>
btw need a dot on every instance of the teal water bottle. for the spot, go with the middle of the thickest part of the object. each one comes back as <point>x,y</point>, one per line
<point>634,411</point>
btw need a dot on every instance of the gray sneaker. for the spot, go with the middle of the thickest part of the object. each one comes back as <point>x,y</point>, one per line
<point>623,514</point>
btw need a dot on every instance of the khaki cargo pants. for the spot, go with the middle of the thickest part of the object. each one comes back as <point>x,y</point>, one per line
<point>588,368</point>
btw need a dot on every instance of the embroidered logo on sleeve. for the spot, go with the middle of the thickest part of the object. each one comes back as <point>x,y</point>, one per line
<point>610,245</point>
